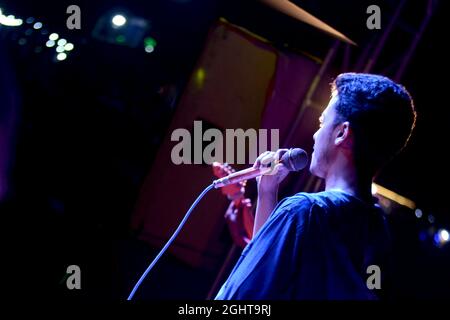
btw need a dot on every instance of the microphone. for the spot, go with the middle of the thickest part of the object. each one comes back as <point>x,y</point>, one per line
<point>294,159</point>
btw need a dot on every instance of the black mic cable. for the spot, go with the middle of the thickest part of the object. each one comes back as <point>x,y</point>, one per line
<point>180,226</point>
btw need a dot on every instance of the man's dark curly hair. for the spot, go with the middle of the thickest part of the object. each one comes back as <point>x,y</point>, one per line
<point>381,114</point>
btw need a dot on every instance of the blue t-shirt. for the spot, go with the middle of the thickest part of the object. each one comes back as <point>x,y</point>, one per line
<point>314,246</point>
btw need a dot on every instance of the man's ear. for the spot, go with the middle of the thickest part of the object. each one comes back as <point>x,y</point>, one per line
<point>344,135</point>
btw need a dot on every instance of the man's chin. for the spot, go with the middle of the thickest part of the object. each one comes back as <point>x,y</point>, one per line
<point>314,171</point>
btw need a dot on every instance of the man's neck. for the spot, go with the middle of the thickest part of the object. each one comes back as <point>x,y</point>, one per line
<point>345,179</point>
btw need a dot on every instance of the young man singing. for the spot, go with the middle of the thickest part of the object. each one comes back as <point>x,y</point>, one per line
<point>318,246</point>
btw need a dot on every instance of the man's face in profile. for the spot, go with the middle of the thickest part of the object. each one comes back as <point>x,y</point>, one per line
<point>323,141</point>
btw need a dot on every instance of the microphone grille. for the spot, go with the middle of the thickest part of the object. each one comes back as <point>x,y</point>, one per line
<point>295,159</point>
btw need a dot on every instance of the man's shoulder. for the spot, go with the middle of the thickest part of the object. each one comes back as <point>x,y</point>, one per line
<point>298,201</point>
<point>327,198</point>
<point>309,199</point>
<point>296,206</point>
<point>305,202</point>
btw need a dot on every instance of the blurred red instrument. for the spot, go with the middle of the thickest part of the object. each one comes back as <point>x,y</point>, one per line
<point>239,215</point>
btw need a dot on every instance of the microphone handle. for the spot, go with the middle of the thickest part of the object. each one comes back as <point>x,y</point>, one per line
<point>239,176</point>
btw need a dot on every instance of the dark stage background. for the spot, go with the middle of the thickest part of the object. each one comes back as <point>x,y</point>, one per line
<point>80,136</point>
